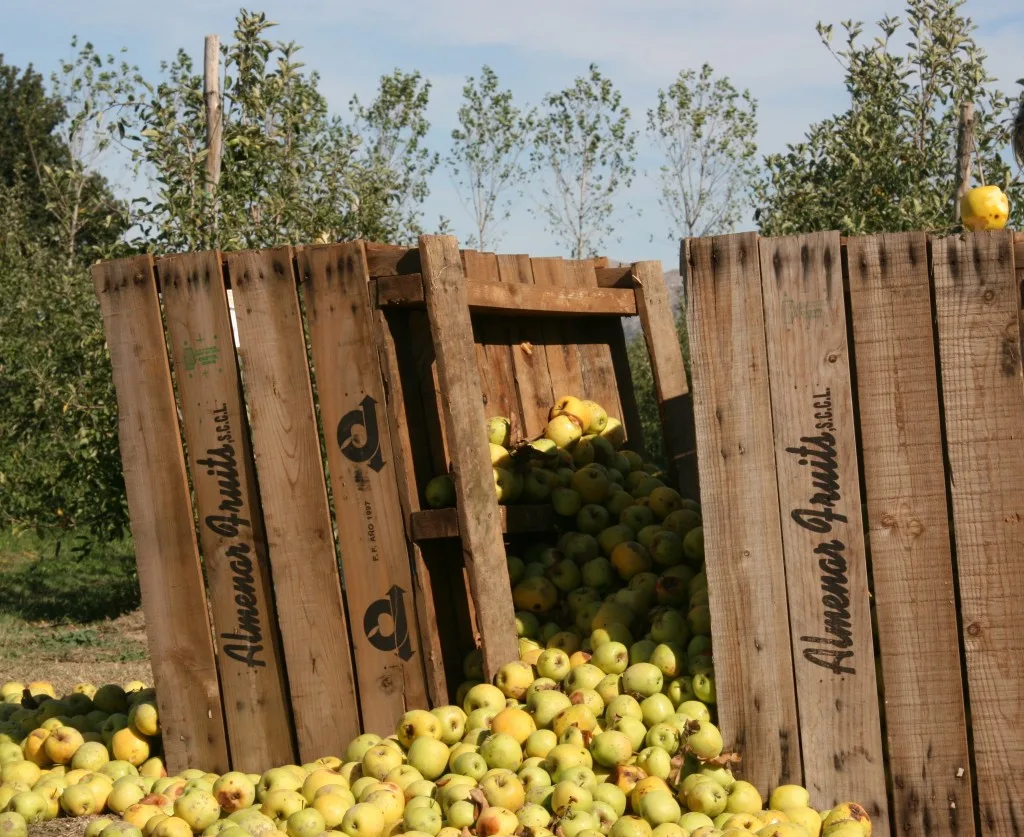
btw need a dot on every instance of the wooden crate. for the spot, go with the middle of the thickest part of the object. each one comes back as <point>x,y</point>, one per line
<point>267,651</point>
<point>859,416</point>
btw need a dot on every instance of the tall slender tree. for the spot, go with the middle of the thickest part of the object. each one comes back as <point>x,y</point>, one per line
<point>487,153</point>
<point>584,152</point>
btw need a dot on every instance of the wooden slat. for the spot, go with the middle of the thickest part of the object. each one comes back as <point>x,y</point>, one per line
<point>627,391</point>
<point>594,341</point>
<point>479,523</point>
<point>529,357</point>
<point>444,523</point>
<point>391,260</point>
<point>493,338</point>
<point>286,444</point>
<point>407,457</point>
<point>231,532</point>
<point>740,508</point>
<point>166,553</point>
<point>374,552</point>
<point>908,530</point>
<point>443,605</point>
<point>822,527</point>
<point>670,386</point>
<point>488,297</point>
<point>562,353</point>
<point>978,316</point>
<point>616,277</point>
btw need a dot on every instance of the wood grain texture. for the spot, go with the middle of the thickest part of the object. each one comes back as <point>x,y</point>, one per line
<point>529,357</point>
<point>314,628</point>
<point>631,420</point>
<point>977,307</point>
<point>658,322</point>
<point>594,339</point>
<point>908,532</point>
<point>493,339</point>
<point>166,553</point>
<point>822,528</point>
<point>411,445</point>
<point>234,544</point>
<point>558,344</point>
<point>740,508</point>
<point>444,523</point>
<point>479,521</point>
<point>374,552</point>
<point>518,300</point>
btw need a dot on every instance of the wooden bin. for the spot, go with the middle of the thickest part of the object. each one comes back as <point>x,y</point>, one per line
<point>873,386</point>
<point>261,655</point>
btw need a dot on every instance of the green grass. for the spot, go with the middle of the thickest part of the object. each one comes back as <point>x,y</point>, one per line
<point>65,580</point>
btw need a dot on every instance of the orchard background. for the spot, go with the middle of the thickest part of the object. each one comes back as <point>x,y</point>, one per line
<point>295,172</point>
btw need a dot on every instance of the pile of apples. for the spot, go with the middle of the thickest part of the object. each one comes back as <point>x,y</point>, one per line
<point>605,726</point>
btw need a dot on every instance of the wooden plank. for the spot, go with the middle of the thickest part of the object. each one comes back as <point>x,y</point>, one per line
<point>314,628</point>
<point>908,530</point>
<point>482,546</point>
<point>489,297</point>
<point>616,277</point>
<point>391,259</point>
<point>670,386</point>
<point>443,604</point>
<point>374,552</point>
<point>231,532</point>
<point>491,335</point>
<point>166,553</point>
<point>444,523</point>
<point>740,509</point>
<point>529,357</point>
<point>822,528</point>
<point>561,350</point>
<point>627,392</point>
<point>594,341</point>
<point>978,317</point>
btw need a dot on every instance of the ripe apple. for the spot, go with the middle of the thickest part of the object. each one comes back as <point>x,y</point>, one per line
<point>535,594</point>
<point>144,717</point>
<point>499,430</point>
<point>440,492</point>
<point>592,518</point>
<point>598,573</point>
<point>31,805</point>
<point>598,417</point>
<point>363,820</point>
<point>12,824</point>
<point>564,430</point>
<point>592,484</point>
<point>76,801</point>
<point>566,501</point>
<point>494,821</point>
<point>615,433</point>
<point>130,746</point>
<point>538,485</point>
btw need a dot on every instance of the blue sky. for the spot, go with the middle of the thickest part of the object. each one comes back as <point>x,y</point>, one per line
<point>535,46</point>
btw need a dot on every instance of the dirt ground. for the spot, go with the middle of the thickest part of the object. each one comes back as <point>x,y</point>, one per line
<point>65,655</point>
<point>100,652</point>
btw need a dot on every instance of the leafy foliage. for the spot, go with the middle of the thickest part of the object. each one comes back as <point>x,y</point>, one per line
<point>705,129</point>
<point>585,151</point>
<point>485,157</point>
<point>888,163</point>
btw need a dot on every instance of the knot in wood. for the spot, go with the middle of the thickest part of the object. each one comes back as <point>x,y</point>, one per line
<point>832,357</point>
<point>974,629</point>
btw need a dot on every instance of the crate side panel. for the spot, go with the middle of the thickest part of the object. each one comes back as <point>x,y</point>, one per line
<point>160,508</point>
<point>740,508</point>
<point>231,532</point>
<point>908,533</point>
<point>311,611</point>
<point>978,316</point>
<point>822,528</point>
<point>374,553</point>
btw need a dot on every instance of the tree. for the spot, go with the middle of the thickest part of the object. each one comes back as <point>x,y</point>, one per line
<point>393,164</point>
<point>286,163</point>
<point>485,155</point>
<point>585,151</point>
<point>888,163</point>
<point>705,129</point>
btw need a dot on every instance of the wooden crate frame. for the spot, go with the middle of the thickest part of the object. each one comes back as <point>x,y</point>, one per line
<point>859,410</point>
<point>407,350</point>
